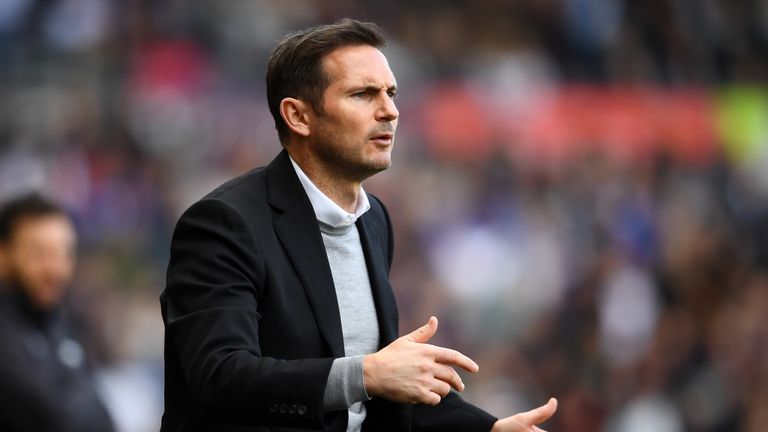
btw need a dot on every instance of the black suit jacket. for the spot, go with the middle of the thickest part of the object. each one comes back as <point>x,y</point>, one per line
<point>251,319</point>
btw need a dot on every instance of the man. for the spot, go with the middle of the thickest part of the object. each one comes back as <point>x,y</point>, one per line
<point>45,384</point>
<point>278,310</point>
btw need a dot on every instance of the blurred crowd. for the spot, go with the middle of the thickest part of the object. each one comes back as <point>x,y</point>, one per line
<point>608,268</point>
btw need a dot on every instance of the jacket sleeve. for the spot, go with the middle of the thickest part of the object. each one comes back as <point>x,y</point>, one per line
<point>216,276</point>
<point>452,414</point>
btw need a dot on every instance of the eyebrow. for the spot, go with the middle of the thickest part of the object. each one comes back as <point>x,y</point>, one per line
<point>373,87</point>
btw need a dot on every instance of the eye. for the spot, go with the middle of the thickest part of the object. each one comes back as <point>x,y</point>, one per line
<point>360,95</point>
<point>392,94</point>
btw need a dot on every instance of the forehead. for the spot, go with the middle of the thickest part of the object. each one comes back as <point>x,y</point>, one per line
<point>358,65</point>
<point>51,228</point>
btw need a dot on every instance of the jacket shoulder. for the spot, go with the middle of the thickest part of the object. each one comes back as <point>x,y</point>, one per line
<point>240,202</point>
<point>250,184</point>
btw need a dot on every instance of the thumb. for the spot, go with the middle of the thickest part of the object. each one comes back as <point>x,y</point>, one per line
<point>540,414</point>
<point>423,333</point>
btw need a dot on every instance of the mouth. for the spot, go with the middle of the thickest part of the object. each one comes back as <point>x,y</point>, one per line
<point>383,138</point>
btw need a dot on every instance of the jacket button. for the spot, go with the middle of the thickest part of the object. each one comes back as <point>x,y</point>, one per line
<point>283,409</point>
<point>292,409</point>
<point>302,410</point>
<point>273,408</point>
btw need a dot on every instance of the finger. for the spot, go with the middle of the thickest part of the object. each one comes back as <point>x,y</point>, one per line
<point>449,375</point>
<point>423,333</point>
<point>440,387</point>
<point>540,414</point>
<point>455,358</point>
<point>431,398</point>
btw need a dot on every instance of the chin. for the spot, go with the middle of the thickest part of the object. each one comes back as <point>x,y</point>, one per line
<point>371,168</point>
<point>380,165</point>
<point>381,161</point>
<point>49,298</point>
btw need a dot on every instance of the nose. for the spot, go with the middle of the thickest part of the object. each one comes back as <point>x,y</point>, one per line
<point>58,266</point>
<point>387,111</point>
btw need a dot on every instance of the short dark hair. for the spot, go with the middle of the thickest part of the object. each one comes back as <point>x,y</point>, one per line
<point>31,205</point>
<point>295,66</point>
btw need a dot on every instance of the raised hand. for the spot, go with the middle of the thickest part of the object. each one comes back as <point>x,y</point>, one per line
<point>412,371</point>
<point>527,421</point>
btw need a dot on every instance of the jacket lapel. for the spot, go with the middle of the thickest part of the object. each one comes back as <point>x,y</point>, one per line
<point>297,229</point>
<point>374,249</point>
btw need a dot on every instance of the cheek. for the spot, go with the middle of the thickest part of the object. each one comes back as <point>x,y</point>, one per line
<point>28,274</point>
<point>59,264</point>
<point>31,270</point>
<point>42,266</point>
<point>67,269</point>
<point>349,121</point>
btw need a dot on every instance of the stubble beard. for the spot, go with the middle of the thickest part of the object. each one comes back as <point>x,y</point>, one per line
<point>347,160</point>
<point>31,289</point>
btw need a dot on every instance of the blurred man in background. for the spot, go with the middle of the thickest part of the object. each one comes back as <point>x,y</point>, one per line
<point>45,383</point>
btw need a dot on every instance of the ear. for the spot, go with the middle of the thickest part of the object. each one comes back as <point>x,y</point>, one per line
<point>3,260</point>
<point>295,114</point>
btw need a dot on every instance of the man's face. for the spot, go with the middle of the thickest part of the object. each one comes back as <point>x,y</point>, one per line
<point>356,131</point>
<point>40,258</point>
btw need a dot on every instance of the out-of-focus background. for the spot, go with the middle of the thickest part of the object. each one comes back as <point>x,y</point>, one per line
<point>579,187</point>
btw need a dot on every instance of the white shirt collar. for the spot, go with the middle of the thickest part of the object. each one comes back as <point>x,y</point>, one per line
<point>326,210</point>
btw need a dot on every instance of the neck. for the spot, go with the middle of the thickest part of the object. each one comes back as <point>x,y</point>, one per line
<point>344,192</point>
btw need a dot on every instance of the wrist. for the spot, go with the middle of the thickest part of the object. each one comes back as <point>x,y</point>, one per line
<point>369,374</point>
